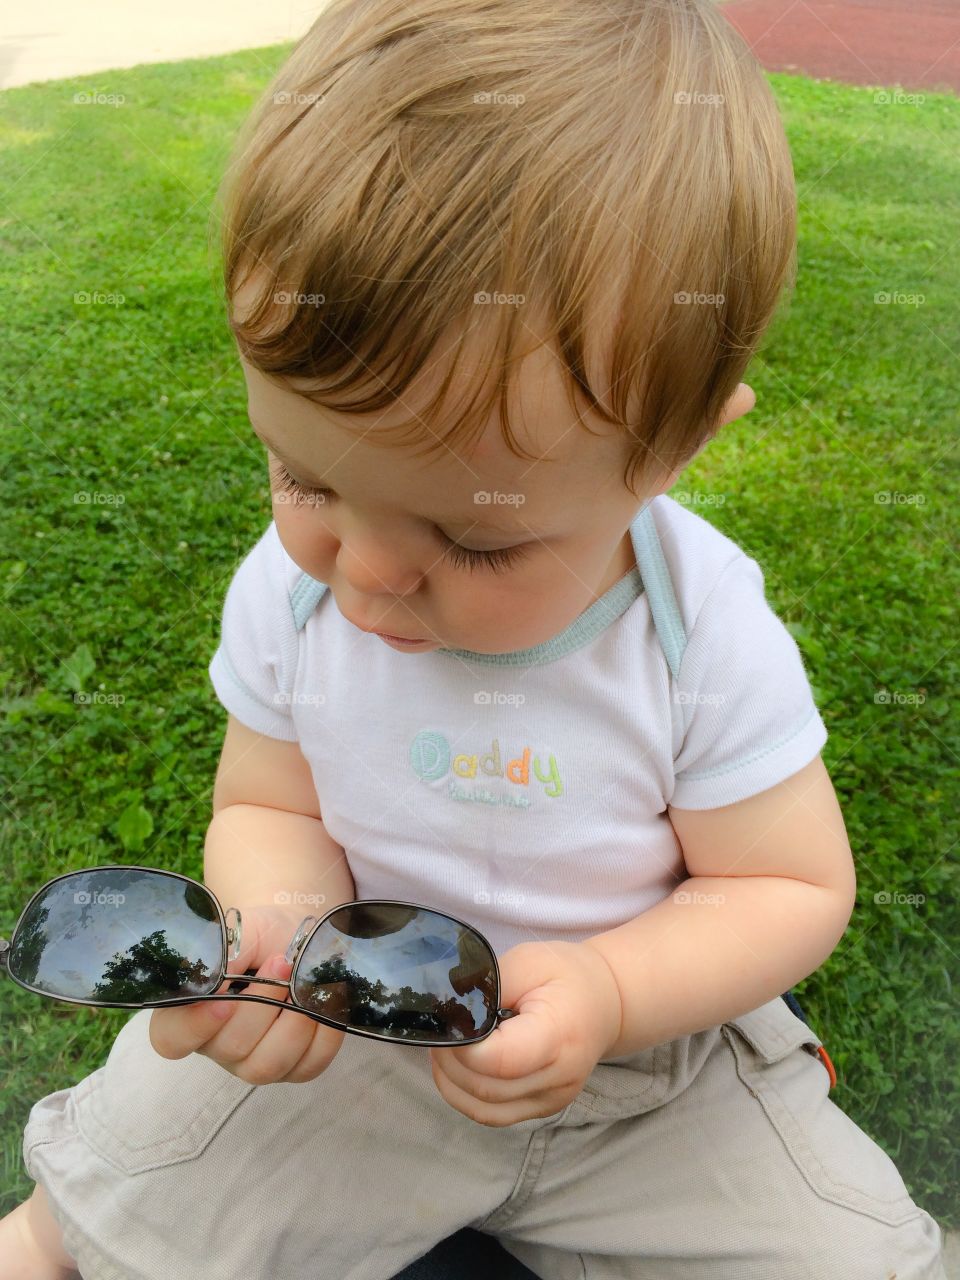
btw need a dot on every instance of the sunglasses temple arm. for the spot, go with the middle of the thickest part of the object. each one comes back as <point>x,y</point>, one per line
<point>4,948</point>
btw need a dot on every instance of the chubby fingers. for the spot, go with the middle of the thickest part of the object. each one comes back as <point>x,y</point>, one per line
<point>266,1046</point>
<point>253,1041</point>
<point>516,1073</point>
<point>498,1103</point>
<point>189,1028</point>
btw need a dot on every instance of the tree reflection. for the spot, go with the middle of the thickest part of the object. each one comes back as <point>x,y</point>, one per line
<point>151,970</point>
<point>28,946</point>
<point>344,995</point>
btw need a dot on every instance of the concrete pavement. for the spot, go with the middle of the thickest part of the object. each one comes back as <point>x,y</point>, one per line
<point>56,39</point>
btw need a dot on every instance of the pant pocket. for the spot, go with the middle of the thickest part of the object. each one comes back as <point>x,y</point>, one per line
<point>776,1055</point>
<point>639,1082</point>
<point>774,1030</point>
<point>142,1111</point>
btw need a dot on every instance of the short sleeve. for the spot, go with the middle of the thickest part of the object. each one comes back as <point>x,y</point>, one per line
<point>252,669</point>
<point>748,710</point>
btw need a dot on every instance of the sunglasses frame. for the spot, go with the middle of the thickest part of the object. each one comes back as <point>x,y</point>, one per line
<point>295,952</point>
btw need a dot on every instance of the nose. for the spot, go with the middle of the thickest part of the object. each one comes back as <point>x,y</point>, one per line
<point>374,567</point>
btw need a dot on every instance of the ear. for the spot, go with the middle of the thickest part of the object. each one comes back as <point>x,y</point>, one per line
<point>741,402</point>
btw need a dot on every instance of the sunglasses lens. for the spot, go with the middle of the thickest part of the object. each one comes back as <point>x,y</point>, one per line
<point>119,936</point>
<point>403,973</point>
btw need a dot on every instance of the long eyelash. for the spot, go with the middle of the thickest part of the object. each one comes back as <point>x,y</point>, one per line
<point>497,560</point>
<point>287,484</point>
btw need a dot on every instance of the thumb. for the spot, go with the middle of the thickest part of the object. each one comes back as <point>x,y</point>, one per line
<point>519,1047</point>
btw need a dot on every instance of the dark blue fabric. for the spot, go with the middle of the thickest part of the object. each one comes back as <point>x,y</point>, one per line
<point>793,1004</point>
<point>467,1255</point>
<point>471,1255</point>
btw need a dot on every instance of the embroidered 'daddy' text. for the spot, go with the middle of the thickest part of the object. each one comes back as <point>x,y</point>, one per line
<point>433,758</point>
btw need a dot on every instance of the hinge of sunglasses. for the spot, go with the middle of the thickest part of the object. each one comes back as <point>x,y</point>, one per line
<point>4,948</point>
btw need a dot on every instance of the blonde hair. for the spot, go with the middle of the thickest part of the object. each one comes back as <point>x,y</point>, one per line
<point>589,158</point>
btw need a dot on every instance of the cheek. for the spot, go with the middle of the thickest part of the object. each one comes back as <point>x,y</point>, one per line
<point>305,537</point>
<point>508,611</point>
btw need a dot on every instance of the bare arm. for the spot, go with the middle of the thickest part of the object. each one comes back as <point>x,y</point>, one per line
<point>771,890</point>
<point>268,854</point>
<point>266,843</point>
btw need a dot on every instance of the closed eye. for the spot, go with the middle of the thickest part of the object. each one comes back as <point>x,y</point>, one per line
<point>294,489</point>
<point>497,560</point>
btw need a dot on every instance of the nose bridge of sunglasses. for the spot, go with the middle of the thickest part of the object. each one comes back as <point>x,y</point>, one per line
<point>303,928</point>
<point>233,932</point>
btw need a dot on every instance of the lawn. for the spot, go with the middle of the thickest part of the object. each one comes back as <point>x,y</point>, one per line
<point>132,485</point>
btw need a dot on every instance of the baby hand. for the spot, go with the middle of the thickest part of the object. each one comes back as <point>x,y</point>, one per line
<point>569,1015</point>
<point>255,1042</point>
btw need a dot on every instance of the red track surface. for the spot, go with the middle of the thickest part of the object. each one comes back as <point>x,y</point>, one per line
<point>884,43</point>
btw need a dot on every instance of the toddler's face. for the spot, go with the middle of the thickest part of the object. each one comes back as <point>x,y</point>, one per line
<point>399,538</point>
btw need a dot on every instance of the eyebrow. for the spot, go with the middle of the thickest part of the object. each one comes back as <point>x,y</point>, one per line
<point>474,525</point>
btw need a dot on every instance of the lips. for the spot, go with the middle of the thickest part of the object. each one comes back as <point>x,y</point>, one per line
<point>403,639</point>
<point>372,631</point>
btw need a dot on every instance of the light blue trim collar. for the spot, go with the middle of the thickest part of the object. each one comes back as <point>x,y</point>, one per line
<point>596,618</point>
<point>650,574</point>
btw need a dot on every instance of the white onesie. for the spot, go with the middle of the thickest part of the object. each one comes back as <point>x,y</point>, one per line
<point>525,792</point>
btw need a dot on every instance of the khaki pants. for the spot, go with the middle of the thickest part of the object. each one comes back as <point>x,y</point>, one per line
<point>717,1156</point>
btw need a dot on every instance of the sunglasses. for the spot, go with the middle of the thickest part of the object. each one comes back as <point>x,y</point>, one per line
<point>128,937</point>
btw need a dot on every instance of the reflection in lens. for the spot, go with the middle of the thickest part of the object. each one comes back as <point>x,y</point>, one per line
<point>119,936</point>
<point>399,972</point>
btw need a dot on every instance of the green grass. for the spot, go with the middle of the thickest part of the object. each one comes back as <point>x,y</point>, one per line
<point>145,400</point>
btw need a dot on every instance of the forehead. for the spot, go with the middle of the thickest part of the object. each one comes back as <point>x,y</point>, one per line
<point>568,465</point>
<point>543,423</point>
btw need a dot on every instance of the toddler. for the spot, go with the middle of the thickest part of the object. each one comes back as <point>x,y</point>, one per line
<point>495,270</point>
